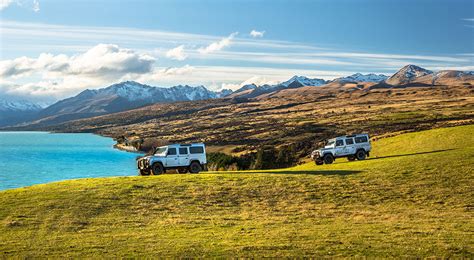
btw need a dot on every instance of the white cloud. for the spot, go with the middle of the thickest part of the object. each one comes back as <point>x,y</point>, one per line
<point>30,4</point>
<point>56,76</point>
<point>257,34</point>
<point>219,45</point>
<point>36,6</point>
<point>177,53</point>
<point>103,60</point>
<point>5,3</point>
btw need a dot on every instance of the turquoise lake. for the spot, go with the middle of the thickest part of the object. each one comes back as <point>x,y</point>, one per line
<point>28,158</point>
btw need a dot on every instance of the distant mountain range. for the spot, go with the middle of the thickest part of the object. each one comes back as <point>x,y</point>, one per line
<point>358,77</point>
<point>16,111</point>
<point>129,94</point>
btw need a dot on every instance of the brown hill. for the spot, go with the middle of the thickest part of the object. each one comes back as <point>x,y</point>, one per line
<point>302,116</point>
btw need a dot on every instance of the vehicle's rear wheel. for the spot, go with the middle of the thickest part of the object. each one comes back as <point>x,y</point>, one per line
<point>319,162</point>
<point>351,158</point>
<point>144,172</point>
<point>182,170</point>
<point>195,167</point>
<point>157,169</point>
<point>360,155</point>
<point>328,159</point>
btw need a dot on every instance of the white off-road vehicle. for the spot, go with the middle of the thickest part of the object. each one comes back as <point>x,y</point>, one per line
<point>181,157</point>
<point>351,146</point>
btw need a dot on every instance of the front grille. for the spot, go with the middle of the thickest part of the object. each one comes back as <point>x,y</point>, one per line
<point>141,163</point>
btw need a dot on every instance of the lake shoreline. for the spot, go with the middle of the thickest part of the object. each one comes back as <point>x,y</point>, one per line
<point>61,156</point>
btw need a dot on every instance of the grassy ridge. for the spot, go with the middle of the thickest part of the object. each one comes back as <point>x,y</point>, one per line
<point>413,197</point>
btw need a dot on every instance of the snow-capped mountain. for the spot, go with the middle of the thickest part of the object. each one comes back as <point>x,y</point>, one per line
<point>245,88</point>
<point>14,111</point>
<point>303,81</point>
<point>223,93</point>
<point>18,105</point>
<point>252,90</point>
<point>124,96</point>
<point>134,91</point>
<point>359,77</point>
<point>407,74</point>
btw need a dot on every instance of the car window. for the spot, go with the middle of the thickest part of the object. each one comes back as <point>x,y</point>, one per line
<point>361,139</point>
<point>349,141</point>
<point>171,151</point>
<point>183,150</point>
<point>196,149</point>
<point>339,143</point>
<point>160,150</point>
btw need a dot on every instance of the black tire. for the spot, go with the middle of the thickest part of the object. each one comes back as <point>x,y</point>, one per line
<point>319,162</point>
<point>360,155</point>
<point>351,158</point>
<point>157,169</point>
<point>195,167</point>
<point>182,170</point>
<point>144,172</point>
<point>328,159</point>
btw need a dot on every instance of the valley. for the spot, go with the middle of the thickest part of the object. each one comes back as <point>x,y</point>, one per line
<point>291,114</point>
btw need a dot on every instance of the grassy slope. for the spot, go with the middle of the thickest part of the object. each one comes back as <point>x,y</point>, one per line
<point>414,197</point>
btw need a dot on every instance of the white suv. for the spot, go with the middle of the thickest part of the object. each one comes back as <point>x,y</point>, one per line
<point>180,157</point>
<point>351,146</point>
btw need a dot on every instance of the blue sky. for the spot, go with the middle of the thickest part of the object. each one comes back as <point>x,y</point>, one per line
<point>53,49</point>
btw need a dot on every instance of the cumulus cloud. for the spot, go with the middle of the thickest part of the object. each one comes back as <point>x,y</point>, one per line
<point>103,60</point>
<point>177,53</point>
<point>36,6</point>
<point>219,45</point>
<point>165,75</point>
<point>30,4</point>
<point>61,75</point>
<point>257,34</point>
<point>5,3</point>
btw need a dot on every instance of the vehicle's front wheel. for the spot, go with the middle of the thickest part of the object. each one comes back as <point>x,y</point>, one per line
<point>195,167</point>
<point>360,155</point>
<point>328,159</point>
<point>157,169</point>
<point>144,172</point>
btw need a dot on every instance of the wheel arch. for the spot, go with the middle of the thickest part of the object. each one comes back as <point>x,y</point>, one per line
<point>157,162</point>
<point>327,153</point>
<point>194,160</point>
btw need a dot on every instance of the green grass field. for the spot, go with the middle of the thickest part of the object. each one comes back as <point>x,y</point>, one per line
<point>413,197</point>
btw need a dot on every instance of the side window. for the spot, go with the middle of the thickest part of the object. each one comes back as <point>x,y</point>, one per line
<point>349,141</point>
<point>183,150</point>
<point>171,151</point>
<point>196,149</point>
<point>339,143</point>
<point>361,139</point>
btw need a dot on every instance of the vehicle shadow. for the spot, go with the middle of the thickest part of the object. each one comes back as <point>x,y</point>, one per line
<point>409,154</point>
<point>308,172</point>
<point>402,155</point>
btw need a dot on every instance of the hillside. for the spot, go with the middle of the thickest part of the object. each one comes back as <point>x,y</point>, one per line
<point>412,198</point>
<point>301,116</point>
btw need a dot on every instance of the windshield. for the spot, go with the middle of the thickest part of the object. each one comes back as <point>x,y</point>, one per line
<point>330,142</point>
<point>160,150</point>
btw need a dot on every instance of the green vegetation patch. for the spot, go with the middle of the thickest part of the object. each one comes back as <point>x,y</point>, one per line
<point>412,197</point>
